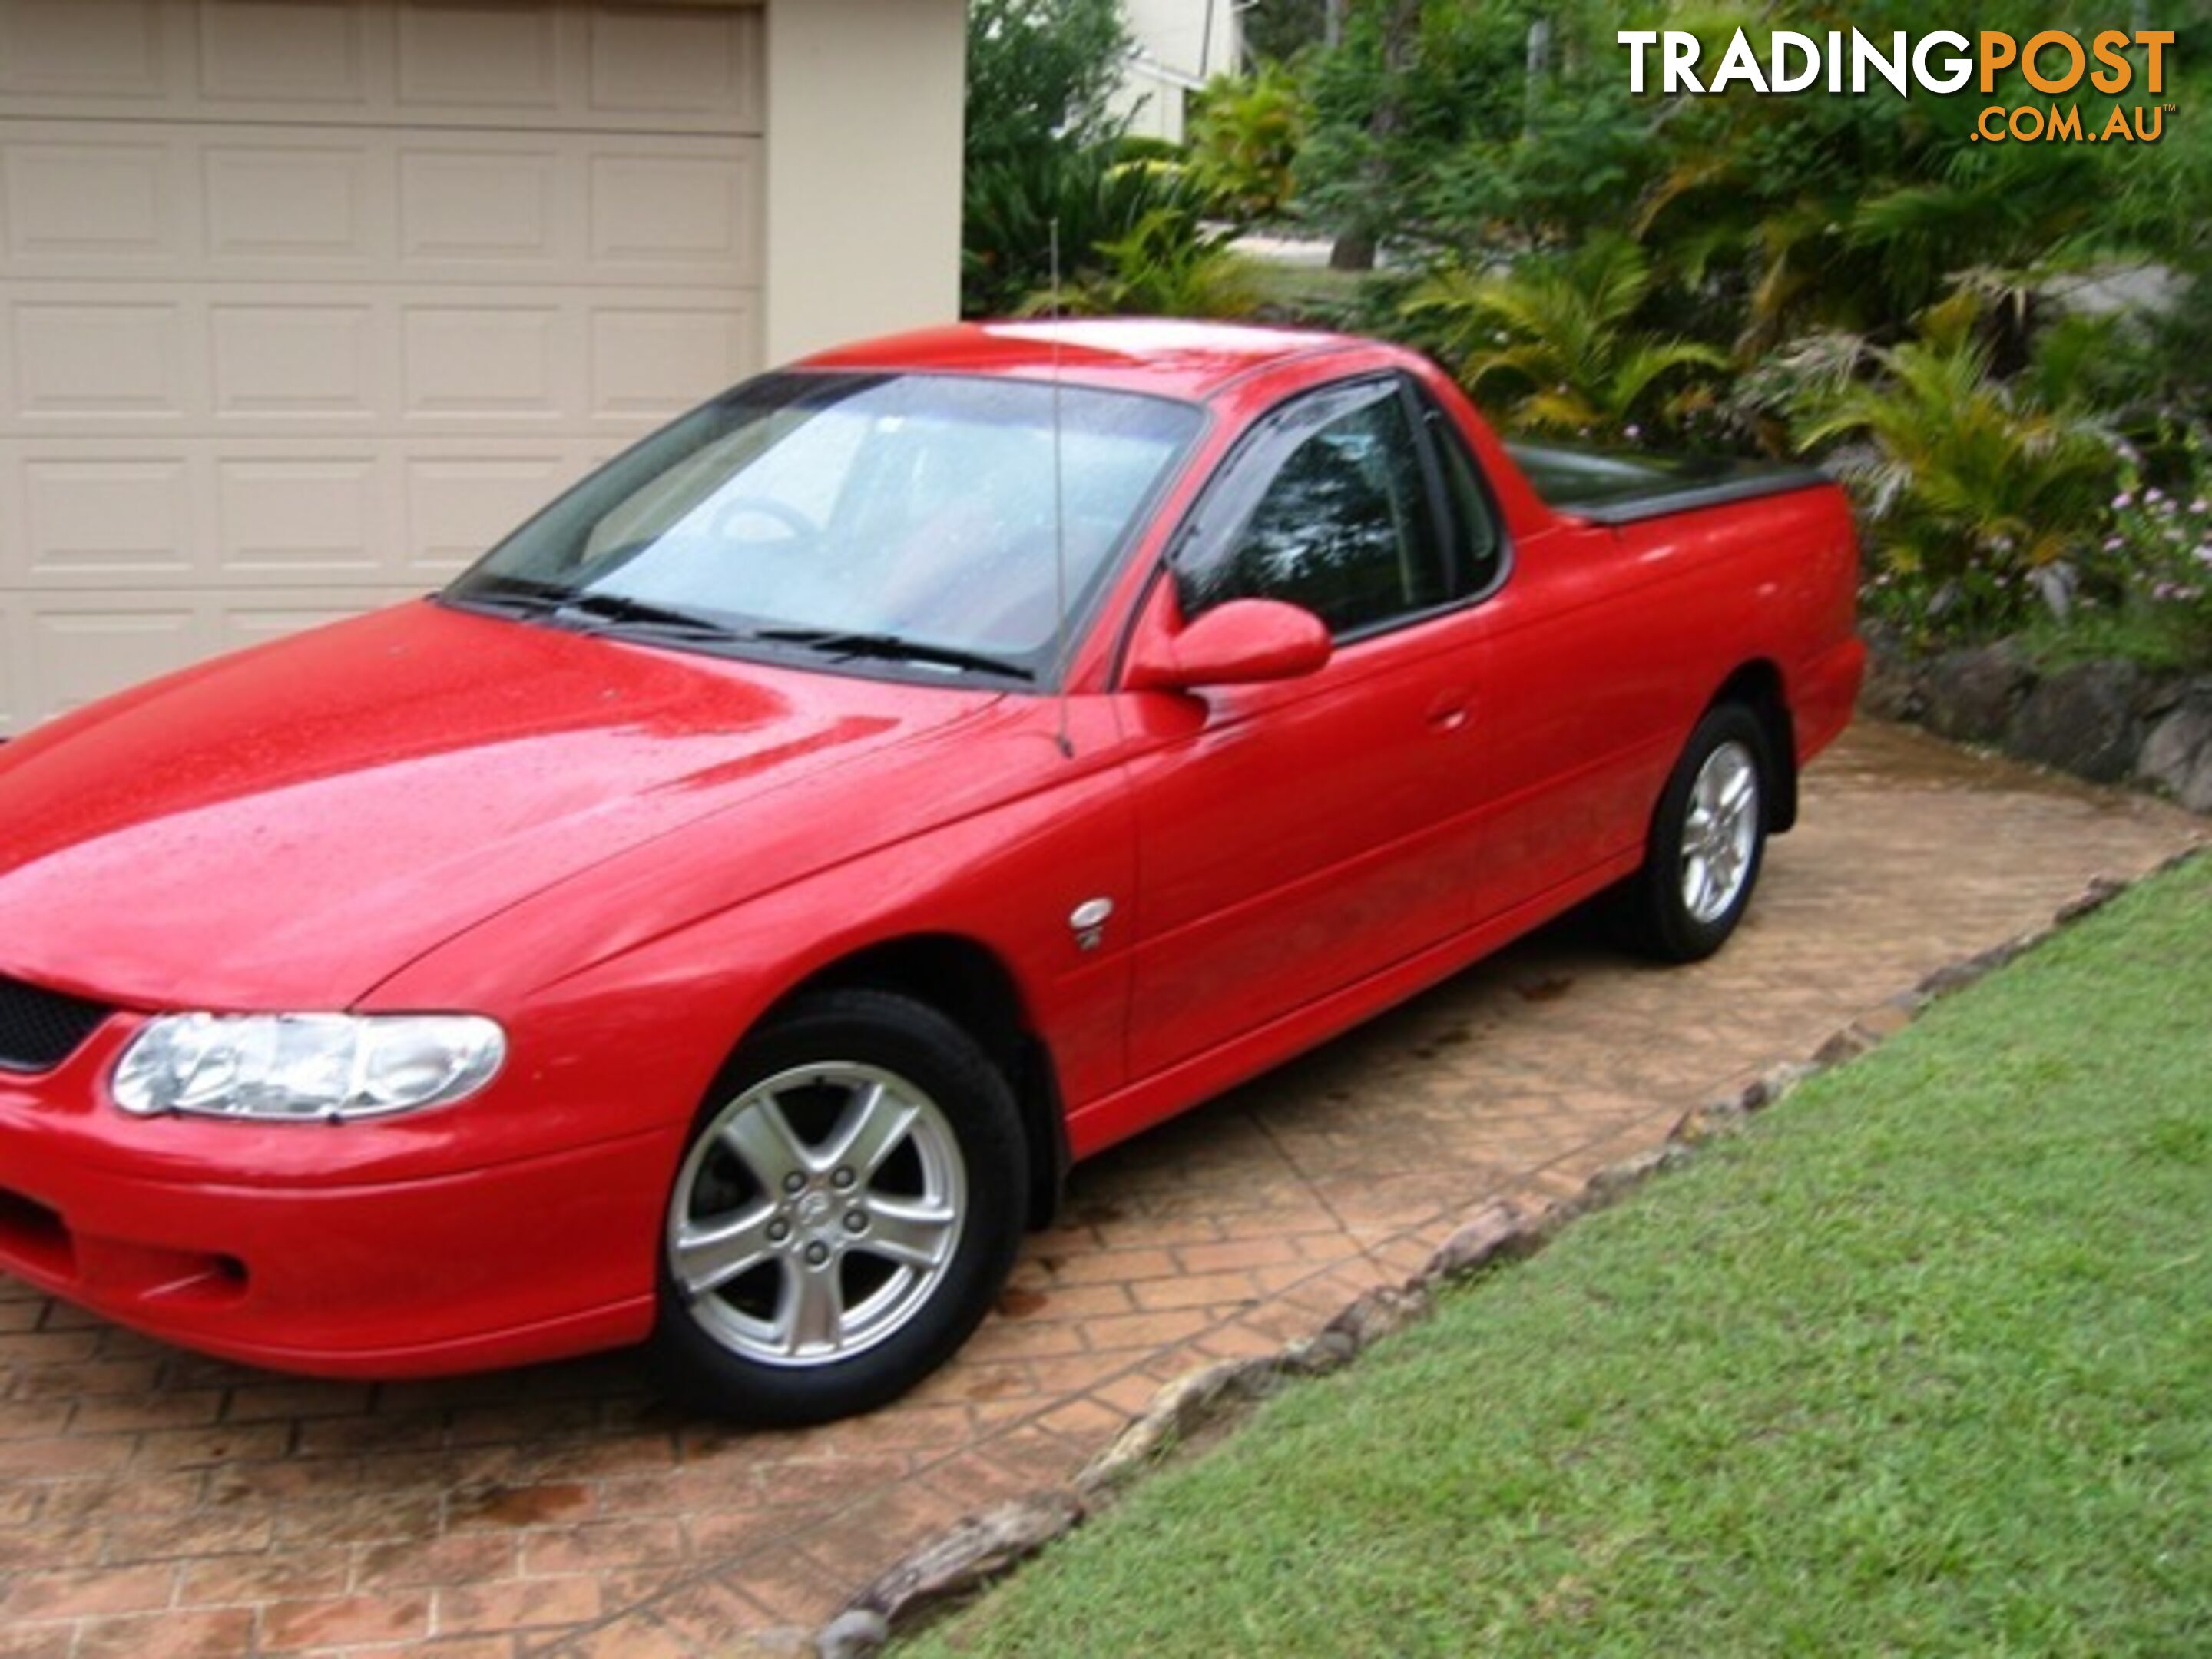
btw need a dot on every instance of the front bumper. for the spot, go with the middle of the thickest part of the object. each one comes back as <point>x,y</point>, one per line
<point>233,1239</point>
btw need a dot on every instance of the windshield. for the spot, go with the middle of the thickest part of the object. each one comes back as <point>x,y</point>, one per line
<point>905,518</point>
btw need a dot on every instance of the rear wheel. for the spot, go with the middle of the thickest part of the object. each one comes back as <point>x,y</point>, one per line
<point>849,1205</point>
<point>1708,840</point>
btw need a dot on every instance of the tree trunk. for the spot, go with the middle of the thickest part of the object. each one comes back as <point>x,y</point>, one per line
<point>1356,244</point>
<point>1353,251</point>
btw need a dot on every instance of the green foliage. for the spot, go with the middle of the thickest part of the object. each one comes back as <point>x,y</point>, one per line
<point>1554,337</point>
<point>1276,30</point>
<point>1769,215</point>
<point>1855,212</point>
<point>1039,73</point>
<point>1914,1366</point>
<point>2161,550</point>
<point>1412,84</point>
<point>1581,152</point>
<point>1145,147</point>
<point>1982,501</point>
<point>2175,375</point>
<point>1043,153</point>
<point>1012,204</point>
<point>1970,327</point>
<point>1245,137</point>
<point>1167,265</point>
<point>1806,237</point>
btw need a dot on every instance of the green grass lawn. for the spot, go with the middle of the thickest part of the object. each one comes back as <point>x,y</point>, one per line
<point>1921,1363</point>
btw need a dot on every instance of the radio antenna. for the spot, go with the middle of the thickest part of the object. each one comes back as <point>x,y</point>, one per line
<point>1058,516</point>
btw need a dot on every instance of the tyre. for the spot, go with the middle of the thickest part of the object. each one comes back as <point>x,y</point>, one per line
<point>1708,840</point>
<point>847,1206</point>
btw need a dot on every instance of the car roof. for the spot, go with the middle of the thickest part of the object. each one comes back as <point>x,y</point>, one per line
<point>1168,357</point>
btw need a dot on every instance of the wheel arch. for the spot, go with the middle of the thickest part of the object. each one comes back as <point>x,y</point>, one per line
<point>1757,686</point>
<point>970,984</point>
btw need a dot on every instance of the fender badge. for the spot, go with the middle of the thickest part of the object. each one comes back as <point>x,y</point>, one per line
<point>1089,920</point>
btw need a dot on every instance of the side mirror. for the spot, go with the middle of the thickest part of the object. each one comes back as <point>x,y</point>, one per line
<point>1242,642</point>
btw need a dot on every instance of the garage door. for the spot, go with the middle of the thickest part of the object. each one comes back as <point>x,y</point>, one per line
<point>304,303</point>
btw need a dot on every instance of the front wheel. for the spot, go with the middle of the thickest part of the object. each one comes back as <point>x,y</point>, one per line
<point>1708,840</point>
<point>849,1205</point>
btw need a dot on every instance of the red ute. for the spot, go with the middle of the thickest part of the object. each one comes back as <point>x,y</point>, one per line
<point>721,914</point>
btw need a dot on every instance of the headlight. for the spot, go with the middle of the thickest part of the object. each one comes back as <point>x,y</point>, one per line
<point>305,1067</point>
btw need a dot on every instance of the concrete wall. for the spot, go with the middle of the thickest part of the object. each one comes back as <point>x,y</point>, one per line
<point>863,195</point>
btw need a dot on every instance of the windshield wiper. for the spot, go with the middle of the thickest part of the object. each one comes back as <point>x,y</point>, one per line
<point>523,595</point>
<point>891,648</point>
<point>533,596</point>
<point>643,613</point>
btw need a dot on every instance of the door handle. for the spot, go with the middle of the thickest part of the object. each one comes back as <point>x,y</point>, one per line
<point>1448,712</point>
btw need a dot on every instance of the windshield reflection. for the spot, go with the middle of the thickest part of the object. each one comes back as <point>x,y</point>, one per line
<point>905,519</point>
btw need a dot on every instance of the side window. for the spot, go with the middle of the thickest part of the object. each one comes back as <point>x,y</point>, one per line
<point>1330,510</point>
<point>1480,545</point>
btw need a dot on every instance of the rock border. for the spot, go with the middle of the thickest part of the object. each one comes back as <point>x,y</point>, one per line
<point>2104,720</point>
<point>980,1549</point>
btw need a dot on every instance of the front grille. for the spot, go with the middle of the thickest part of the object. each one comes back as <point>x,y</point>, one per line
<point>40,1029</point>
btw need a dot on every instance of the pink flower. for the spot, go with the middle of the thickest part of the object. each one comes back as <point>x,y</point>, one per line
<point>2122,501</point>
<point>2154,494</point>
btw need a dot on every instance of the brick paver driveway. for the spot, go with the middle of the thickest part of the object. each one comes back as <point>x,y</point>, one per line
<point>152,1503</point>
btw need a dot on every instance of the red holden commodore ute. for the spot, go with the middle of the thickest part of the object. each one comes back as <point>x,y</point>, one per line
<point>719,917</point>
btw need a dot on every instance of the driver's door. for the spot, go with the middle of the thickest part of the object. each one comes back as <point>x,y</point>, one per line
<point>1295,837</point>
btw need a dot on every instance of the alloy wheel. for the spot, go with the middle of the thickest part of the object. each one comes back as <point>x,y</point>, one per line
<point>1720,832</point>
<point>817,1215</point>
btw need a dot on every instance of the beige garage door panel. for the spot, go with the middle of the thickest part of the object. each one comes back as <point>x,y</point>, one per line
<point>667,68</point>
<point>116,518</point>
<point>179,202</point>
<point>242,359</point>
<point>302,305</point>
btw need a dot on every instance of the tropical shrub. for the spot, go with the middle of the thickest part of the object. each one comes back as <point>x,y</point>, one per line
<point>1984,505</point>
<point>1013,206</point>
<point>1167,265</point>
<point>1553,343</point>
<point>1245,137</point>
